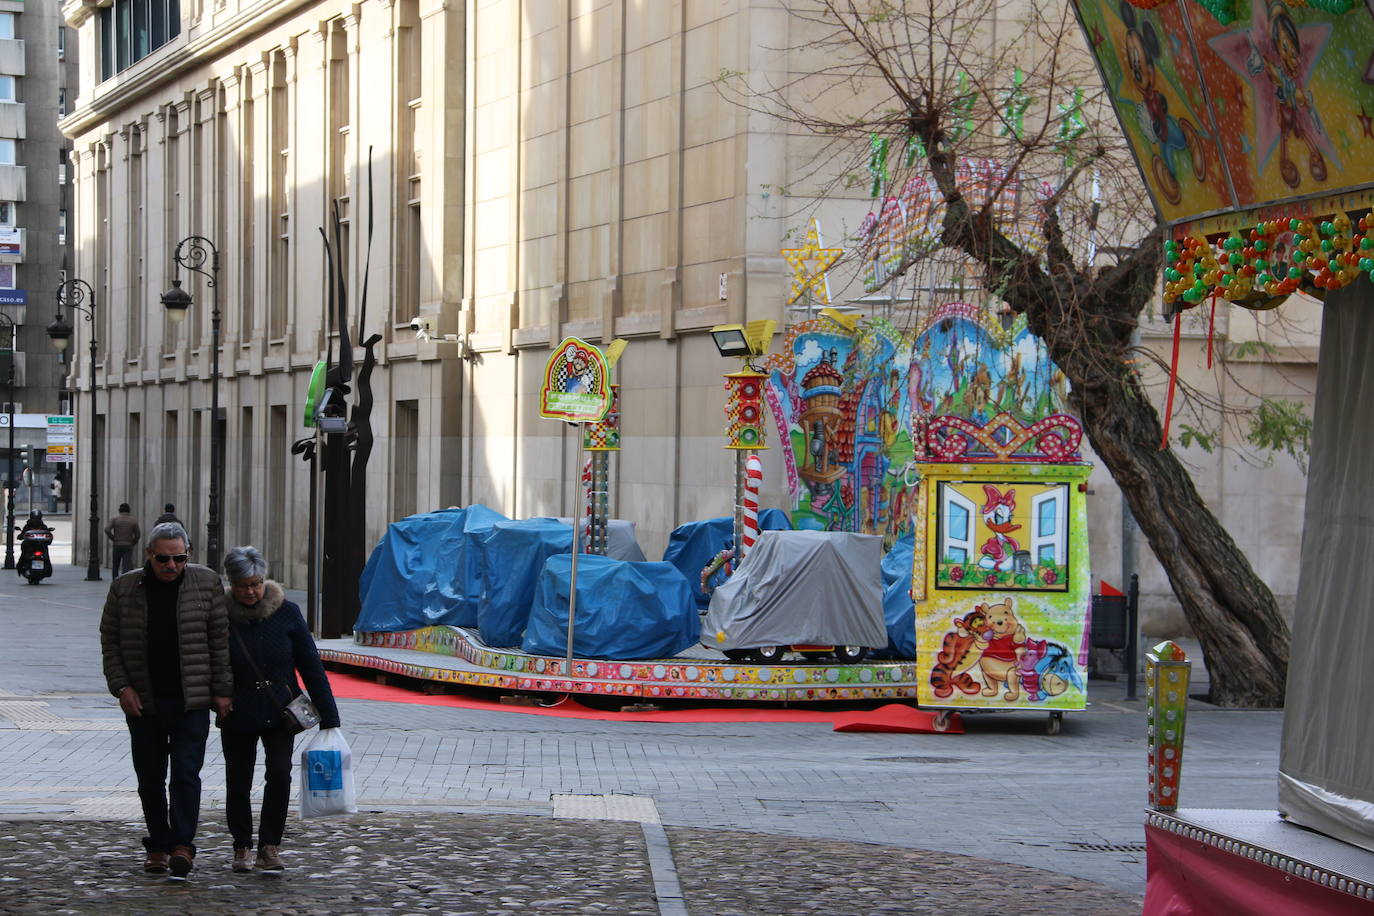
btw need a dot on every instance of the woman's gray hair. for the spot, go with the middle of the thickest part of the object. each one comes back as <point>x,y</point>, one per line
<point>168,531</point>
<point>242,563</point>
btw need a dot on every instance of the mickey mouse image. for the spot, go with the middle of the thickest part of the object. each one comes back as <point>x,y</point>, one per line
<point>1171,135</point>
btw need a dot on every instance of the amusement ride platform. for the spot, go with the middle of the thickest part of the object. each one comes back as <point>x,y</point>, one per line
<point>456,655</point>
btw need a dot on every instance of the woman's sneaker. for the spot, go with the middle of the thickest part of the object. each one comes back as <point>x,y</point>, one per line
<point>269,859</point>
<point>243,858</point>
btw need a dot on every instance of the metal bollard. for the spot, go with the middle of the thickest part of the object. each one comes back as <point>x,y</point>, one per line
<point>1167,670</point>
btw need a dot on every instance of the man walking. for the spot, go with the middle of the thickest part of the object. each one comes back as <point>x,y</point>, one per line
<point>169,514</point>
<point>123,531</point>
<point>165,646</point>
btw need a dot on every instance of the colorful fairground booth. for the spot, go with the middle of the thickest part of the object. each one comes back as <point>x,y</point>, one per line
<point>1000,576</point>
<point>1252,122</point>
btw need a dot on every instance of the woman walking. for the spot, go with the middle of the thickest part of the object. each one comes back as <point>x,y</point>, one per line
<point>268,644</point>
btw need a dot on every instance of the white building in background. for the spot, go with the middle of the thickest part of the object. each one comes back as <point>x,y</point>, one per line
<point>538,169</point>
<point>37,85</point>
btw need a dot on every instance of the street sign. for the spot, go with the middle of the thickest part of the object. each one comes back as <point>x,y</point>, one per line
<point>61,439</point>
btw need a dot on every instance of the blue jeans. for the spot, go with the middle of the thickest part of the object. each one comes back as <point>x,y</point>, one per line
<point>169,738</point>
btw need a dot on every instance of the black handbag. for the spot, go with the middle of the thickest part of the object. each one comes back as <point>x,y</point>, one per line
<point>298,715</point>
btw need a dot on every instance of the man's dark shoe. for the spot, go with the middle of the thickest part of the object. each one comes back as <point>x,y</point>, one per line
<point>180,864</point>
<point>156,863</point>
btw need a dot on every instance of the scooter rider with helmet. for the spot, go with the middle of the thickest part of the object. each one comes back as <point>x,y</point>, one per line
<point>34,523</point>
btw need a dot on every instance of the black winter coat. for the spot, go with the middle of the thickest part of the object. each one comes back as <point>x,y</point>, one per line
<point>274,631</point>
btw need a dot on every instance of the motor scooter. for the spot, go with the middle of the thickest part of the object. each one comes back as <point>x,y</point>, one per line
<point>34,563</point>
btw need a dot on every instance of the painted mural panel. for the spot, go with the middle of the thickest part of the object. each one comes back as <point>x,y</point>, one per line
<point>843,394</point>
<point>1009,631</point>
<point>1240,104</point>
<point>1009,536</point>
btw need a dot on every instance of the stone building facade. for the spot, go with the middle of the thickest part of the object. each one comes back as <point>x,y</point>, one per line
<point>538,170</point>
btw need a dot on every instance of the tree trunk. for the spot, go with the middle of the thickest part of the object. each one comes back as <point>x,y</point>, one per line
<point>1233,613</point>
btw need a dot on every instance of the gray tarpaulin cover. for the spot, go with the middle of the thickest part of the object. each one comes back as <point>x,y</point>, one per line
<point>1326,768</point>
<point>809,587</point>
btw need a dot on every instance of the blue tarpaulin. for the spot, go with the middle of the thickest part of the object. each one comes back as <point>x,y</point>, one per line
<point>624,610</point>
<point>513,555</point>
<point>898,612</point>
<point>425,572</point>
<point>692,546</point>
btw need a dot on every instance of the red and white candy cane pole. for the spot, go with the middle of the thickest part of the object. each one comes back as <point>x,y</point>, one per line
<point>753,482</point>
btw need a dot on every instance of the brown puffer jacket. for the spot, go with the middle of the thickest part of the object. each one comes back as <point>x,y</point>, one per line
<point>202,629</point>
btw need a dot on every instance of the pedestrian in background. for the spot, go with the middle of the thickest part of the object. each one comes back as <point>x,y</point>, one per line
<point>169,514</point>
<point>123,532</point>
<point>269,643</point>
<point>164,641</point>
<point>54,494</point>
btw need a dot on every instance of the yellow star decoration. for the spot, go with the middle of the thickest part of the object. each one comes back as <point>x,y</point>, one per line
<point>809,264</point>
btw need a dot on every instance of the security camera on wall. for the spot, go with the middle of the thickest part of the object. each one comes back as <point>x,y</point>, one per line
<point>422,326</point>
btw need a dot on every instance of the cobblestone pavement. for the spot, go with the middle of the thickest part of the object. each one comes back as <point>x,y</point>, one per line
<point>458,864</point>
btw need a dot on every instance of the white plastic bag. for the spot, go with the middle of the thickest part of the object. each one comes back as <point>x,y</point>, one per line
<point>327,776</point>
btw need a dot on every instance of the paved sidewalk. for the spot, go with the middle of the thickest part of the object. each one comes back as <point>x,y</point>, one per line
<point>757,817</point>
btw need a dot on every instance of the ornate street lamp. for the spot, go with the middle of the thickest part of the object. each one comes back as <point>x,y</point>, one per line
<point>194,253</point>
<point>78,296</point>
<point>7,323</point>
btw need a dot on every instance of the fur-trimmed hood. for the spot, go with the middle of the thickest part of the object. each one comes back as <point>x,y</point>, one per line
<point>272,599</point>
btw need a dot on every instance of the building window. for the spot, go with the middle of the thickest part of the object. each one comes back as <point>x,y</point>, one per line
<point>130,30</point>
<point>62,102</point>
<point>61,227</point>
<point>61,41</point>
<point>6,89</point>
<point>6,25</point>
<point>6,214</point>
<point>61,166</point>
<point>7,276</point>
<point>7,152</point>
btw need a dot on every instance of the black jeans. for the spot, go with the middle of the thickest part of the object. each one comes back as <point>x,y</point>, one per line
<point>240,756</point>
<point>169,736</point>
<point>120,563</point>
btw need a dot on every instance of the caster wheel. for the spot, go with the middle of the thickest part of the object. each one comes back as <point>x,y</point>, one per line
<point>1053,725</point>
<point>941,723</point>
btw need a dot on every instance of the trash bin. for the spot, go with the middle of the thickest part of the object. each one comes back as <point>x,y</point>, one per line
<point>1109,623</point>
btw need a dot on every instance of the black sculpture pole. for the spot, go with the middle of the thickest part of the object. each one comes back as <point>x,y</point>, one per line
<point>8,323</point>
<point>192,253</point>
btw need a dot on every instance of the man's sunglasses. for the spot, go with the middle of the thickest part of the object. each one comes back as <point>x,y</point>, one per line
<point>174,557</point>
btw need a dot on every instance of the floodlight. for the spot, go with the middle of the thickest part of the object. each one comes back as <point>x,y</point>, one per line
<point>730,340</point>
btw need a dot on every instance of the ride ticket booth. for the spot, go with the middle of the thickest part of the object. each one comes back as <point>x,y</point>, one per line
<point>1000,579</point>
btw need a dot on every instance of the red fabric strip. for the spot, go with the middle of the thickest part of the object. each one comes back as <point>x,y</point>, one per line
<point>1211,326</point>
<point>1173,381</point>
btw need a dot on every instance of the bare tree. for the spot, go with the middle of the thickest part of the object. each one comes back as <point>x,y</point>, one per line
<point>891,92</point>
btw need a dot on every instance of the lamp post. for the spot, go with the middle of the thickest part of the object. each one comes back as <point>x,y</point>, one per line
<point>7,323</point>
<point>194,253</point>
<point>72,294</point>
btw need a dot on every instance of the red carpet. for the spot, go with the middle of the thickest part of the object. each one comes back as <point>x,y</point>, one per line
<point>896,717</point>
<point>893,717</point>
